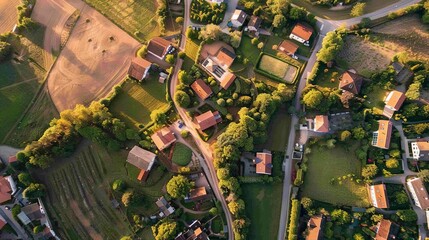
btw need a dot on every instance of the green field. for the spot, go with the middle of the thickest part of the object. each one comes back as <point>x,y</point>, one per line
<point>79,193</point>
<point>278,68</point>
<point>137,100</point>
<point>375,99</point>
<point>131,15</point>
<point>248,50</point>
<point>325,164</point>
<point>181,155</point>
<point>191,49</point>
<point>263,207</point>
<point>278,131</point>
<point>20,80</point>
<point>35,121</point>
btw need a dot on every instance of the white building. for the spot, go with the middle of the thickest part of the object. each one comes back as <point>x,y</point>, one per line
<point>418,192</point>
<point>238,18</point>
<point>420,149</point>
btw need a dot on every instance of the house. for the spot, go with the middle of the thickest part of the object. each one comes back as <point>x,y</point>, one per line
<point>159,47</point>
<point>201,89</point>
<point>196,194</point>
<point>254,23</point>
<point>218,66</point>
<point>23,218</point>
<point>139,68</point>
<point>33,211</point>
<point>143,160</point>
<point>315,228</point>
<point>402,73</point>
<point>381,138</point>
<point>420,149</point>
<point>263,162</point>
<point>393,101</point>
<point>238,18</point>
<point>378,195</point>
<point>7,188</point>
<point>321,124</point>
<point>350,82</point>
<point>288,47</point>
<point>208,119</point>
<point>195,231</point>
<point>301,33</point>
<point>12,159</point>
<point>418,192</point>
<point>164,207</point>
<point>163,138</point>
<point>386,230</point>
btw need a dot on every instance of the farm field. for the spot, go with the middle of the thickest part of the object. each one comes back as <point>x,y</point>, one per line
<point>79,193</point>
<point>278,131</point>
<point>182,154</point>
<point>8,15</point>
<point>136,101</point>
<point>323,165</point>
<point>406,34</point>
<point>20,80</point>
<point>278,68</point>
<point>363,56</point>
<point>131,15</point>
<point>35,121</point>
<point>263,208</point>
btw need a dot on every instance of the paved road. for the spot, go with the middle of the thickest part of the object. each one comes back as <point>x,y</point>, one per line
<point>7,215</point>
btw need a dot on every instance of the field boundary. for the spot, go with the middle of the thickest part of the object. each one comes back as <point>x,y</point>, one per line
<point>272,76</point>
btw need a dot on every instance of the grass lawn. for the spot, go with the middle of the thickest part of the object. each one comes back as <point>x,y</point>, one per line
<point>217,225</point>
<point>137,100</point>
<point>79,193</point>
<point>375,99</point>
<point>329,79</point>
<point>263,208</point>
<point>181,155</point>
<point>278,131</point>
<point>278,68</point>
<point>325,164</point>
<point>133,15</point>
<point>191,49</point>
<point>247,50</point>
<point>34,123</point>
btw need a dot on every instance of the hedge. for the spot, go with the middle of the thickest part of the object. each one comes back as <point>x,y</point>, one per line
<point>294,220</point>
<point>314,72</point>
<point>299,178</point>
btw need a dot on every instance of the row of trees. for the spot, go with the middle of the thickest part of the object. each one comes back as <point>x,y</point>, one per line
<point>239,137</point>
<point>205,12</point>
<point>332,45</point>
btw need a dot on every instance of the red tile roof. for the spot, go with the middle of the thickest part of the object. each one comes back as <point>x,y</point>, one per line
<point>197,193</point>
<point>227,80</point>
<point>420,196</point>
<point>302,31</point>
<point>12,159</point>
<point>383,135</point>
<point>5,190</point>
<point>395,99</point>
<point>2,223</point>
<point>143,175</point>
<point>321,123</point>
<point>314,227</point>
<point>384,230</point>
<point>201,89</point>
<point>378,195</point>
<point>288,47</point>
<point>351,82</point>
<point>163,138</point>
<point>264,163</point>
<point>158,46</point>
<point>138,68</point>
<point>225,57</point>
<point>208,119</point>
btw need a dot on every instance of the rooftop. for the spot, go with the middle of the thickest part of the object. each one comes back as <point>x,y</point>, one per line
<point>158,46</point>
<point>208,119</point>
<point>302,31</point>
<point>201,89</point>
<point>264,163</point>
<point>288,47</point>
<point>321,123</point>
<point>351,82</point>
<point>163,138</point>
<point>138,68</point>
<point>378,195</point>
<point>381,138</point>
<point>141,158</point>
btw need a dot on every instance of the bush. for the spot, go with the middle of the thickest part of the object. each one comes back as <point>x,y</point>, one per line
<point>299,178</point>
<point>127,198</point>
<point>294,220</point>
<point>118,185</point>
<point>182,98</point>
<point>205,13</point>
<point>184,133</point>
<point>142,51</point>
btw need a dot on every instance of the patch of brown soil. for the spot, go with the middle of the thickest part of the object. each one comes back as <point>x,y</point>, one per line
<point>84,221</point>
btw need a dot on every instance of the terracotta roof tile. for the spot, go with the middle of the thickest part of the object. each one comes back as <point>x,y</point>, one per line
<point>225,57</point>
<point>208,119</point>
<point>288,47</point>
<point>321,123</point>
<point>378,195</point>
<point>314,227</point>
<point>381,138</point>
<point>302,31</point>
<point>138,68</point>
<point>158,46</point>
<point>351,82</point>
<point>264,163</point>
<point>163,138</point>
<point>227,80</point>
<point>201,89</point>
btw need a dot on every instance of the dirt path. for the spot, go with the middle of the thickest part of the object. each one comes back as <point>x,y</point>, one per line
<point>95,58</point>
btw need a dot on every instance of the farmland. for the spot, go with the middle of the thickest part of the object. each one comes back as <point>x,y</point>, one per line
<point>133,15</point>
<point>278,68</point>
<point>79,193</point>
<point>8,15</point>
<point>263,209</point>
<point>323,166</point>
<point>137,100</point>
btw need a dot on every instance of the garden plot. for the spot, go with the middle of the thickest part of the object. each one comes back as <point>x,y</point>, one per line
<point>363,56</point>
<point>278,68</point>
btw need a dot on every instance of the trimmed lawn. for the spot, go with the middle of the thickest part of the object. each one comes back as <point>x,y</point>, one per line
<point>278,131</point>
<point>325,164</point>
<point>247,50</point>
<point>137,100</point>
<point>132,16</point>
<point>278,68</point>
<point>181,155</point>
<point>191,49</point>
<point>329,79</point>
<point>375,99</point>
<point>263,208</point>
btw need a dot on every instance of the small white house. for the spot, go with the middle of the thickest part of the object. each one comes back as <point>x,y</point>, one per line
<point>301,33</point>
<point>238,18</point>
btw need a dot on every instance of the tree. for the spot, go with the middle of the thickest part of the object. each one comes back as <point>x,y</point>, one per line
<point>260,45</point>
<point>401,197</point>
<point>34,191</point>
<point>169,58</point>
<point>222,173</point>
<point>179,186</point>
<point>306,202</point>
<point>127,198</point>
<point>279,21</point>
<point>221,102</point>
<point>235,39</point>
<point>165,229</point>
<point>38,229</point>
<point>331,45</point>
<point>297,13</point>
<point>313,98</point>
<point>340,216</point>
<point>369,171</point>
<point>213,211</point>
<point>424,175</point>
<point>392,163</point>
<point>359,133</point>
<point>210,32</point>
<point>182,98</point>
<point>345,135</point>
<point>254,41</point>
<point>358,9</point>
<point>179,20</point>
<point>191,33</point>
<point>158,116</point>
<point>5,50</point>
<point>407,215</point>
<point>25,178</point>
<point>236,206</point>
<point>142,51</point>
<point>184,77</point>
<point>118,185</point>
<point>413,92</point>
<point>377,218</point>
<point>358,236</point>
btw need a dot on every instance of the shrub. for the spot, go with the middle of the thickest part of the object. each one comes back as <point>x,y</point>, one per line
<point>127,198</point>
<point>294,220</point>
<point>118,185</point>
<point>184,133</point>
<point>142,51</point>
<point>5,50</point>
<point>299,178</point>
<point>181,55</point>
<point>182,98</point>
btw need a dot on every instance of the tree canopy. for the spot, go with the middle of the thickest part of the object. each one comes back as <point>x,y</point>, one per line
<point>165,229</point>
<point>179,186</point>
